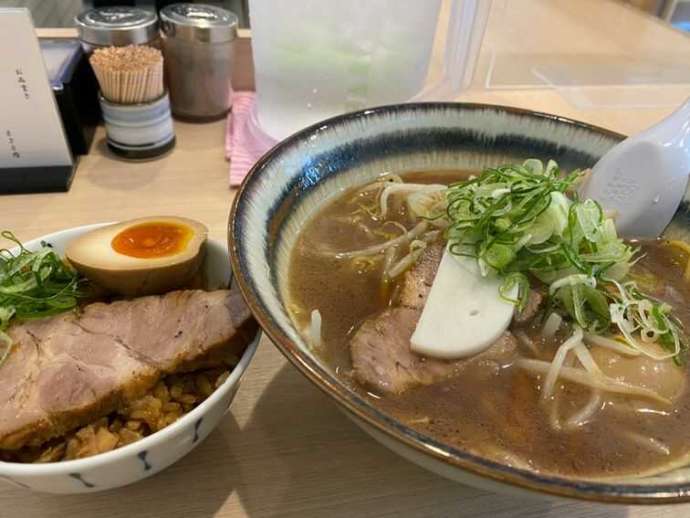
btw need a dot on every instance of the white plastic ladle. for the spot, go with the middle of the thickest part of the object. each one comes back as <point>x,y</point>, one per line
<point>644,178</point>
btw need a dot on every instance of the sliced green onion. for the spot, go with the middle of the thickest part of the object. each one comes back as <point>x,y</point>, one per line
<point>33,285</point>
<point>522,282</point>
<point>525,220</point>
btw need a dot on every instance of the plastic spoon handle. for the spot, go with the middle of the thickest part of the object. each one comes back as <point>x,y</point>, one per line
<point>644,178</point>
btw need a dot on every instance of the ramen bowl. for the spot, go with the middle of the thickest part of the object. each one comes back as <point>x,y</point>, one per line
<point>293,181</point>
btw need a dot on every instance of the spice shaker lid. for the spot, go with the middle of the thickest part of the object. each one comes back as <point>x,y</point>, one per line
<point>198,22</point>
<point>117,26</point>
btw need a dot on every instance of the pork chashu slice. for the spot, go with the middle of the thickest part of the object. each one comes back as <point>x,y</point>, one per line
<point>66,371</point>
<point>383,360</point>
<point>380,349</point>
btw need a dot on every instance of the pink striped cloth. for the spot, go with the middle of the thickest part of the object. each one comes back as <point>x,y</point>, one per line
<point>244,140</point>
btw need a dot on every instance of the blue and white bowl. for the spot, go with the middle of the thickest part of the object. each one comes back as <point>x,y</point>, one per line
<point>151,454</point>
<point>290,183</point>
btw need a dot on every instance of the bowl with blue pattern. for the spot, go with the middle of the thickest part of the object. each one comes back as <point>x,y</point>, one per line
<point>302,173</point>
<point>151,454</point>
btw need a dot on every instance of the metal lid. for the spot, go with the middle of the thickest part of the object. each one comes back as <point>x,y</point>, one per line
<point>117,26</point>
<point>198,22</point>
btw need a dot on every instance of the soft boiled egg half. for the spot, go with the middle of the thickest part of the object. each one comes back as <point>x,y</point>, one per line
<point>142,256</point>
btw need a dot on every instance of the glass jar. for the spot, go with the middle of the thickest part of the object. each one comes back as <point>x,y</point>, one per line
<point>118,27</point>
<point>198,47</point>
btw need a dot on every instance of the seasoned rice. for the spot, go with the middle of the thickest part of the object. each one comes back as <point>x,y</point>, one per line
<point>171,398</point>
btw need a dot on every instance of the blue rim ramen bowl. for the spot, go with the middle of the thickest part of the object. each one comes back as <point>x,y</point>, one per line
<point>293,181</point>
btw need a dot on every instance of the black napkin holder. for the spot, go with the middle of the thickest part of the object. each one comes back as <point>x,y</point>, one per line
<point>76,91</point>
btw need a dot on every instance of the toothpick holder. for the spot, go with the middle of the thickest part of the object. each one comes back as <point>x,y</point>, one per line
<point>139,131</point>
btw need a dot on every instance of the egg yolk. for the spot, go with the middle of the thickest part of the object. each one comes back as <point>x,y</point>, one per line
<point>151,240</point>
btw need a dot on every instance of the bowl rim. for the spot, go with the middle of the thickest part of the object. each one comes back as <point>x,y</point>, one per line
<point>582,489</point>
<point>10,469</point>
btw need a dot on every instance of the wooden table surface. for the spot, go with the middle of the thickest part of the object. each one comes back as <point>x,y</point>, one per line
<point>285,449</point>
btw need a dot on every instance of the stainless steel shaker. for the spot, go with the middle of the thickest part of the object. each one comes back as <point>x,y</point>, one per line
<point>117,26</point>
<point>198,45</point>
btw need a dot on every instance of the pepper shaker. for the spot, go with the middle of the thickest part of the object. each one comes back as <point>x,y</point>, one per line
<point>198,45</point>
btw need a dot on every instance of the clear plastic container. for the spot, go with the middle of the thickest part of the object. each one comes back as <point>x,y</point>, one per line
<point>317,58</point>
<point>600,45</point>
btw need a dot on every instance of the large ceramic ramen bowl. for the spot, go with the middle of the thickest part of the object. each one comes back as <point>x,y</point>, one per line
<point>291,182</point>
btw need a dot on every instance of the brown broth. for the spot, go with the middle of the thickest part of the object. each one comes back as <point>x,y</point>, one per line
<point>508,422</point>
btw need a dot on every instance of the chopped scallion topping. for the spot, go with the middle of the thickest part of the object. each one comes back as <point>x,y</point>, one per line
<point>523,221</point>
<point>33,285</point>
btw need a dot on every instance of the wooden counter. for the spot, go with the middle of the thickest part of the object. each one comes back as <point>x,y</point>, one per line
<point>285,449</point>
